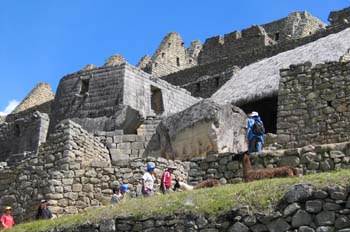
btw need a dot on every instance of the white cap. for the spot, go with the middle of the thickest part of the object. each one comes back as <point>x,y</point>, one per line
<point>253,114</point>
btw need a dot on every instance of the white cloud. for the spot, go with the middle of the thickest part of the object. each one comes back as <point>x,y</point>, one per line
<point>9,108</point>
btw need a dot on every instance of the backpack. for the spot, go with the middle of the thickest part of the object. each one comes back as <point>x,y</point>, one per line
<point>258,128</point>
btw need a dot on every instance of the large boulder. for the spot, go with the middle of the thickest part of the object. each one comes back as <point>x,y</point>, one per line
<point>201,129</point>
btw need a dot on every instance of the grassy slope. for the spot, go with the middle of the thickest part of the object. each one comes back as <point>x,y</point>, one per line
<point>260,195</point>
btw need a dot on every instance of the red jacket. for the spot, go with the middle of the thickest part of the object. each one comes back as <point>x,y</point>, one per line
<point>166,179</point>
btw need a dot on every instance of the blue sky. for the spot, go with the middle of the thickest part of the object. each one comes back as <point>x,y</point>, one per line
<point>43,40</point>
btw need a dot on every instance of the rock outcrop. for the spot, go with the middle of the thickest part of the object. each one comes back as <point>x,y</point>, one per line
<point>203,128</point>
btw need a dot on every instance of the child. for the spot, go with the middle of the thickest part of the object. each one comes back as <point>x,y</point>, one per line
<point>166,181</point>
<point>119,194</point>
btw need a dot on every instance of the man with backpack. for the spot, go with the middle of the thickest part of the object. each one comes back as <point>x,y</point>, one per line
<point>255,133</point>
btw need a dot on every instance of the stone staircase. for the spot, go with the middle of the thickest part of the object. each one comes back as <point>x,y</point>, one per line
<point>123,148</point>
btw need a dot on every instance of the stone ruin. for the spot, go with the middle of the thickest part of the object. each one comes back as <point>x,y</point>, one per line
<point>184,107</point>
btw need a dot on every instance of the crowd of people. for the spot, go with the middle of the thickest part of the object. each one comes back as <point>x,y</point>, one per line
<point>149,181</point>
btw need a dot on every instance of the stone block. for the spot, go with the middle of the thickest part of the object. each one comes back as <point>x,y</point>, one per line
<point>325,218</point>
<point>301,218</point>
<point>137,145</point>
<point>238,227</point>
<point>292,161</point>
<point>129,138</point>
<point>124,145</point>
<point>107,226</point>
<point>342,222</point>
<point>314,206</point>
<point>291,209</point>
<point>77,187</point>
<point>278,225</point>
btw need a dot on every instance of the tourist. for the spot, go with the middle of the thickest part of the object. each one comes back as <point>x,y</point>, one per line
<point>148,180</point>
<point>43,211</point>
<point>166,181</point>
<point>119,194</point>
<point>7,219</point>
<point>255,133</point>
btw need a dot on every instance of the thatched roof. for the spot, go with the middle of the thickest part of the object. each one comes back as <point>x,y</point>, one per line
<point>261,79</point>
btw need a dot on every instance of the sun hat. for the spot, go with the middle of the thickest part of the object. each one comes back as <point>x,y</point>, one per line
<point>8,208</point>
<point>253,114</point>
<point>172,167</point>
<point>124,188</point>
<point>150,167</point>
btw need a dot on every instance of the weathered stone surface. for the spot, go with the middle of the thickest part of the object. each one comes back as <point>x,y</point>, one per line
<point>238,227</point>
<point>301,218</point>
<point>291,209</point>
<point>325,218</point>
<point>313,206</point>
<point>325,229</point>
<point>342,222</point>
<point>306,229</point>
<point>278,225</point>
<point>204,127</point>
<point>299,192</point>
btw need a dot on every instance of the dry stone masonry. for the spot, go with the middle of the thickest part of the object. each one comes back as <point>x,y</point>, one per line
<point>171,56</point>
<point>115,97</point>
<point>303,208</point>
<point>41,94</point>
<point>107,123</point>
<point>242,57</point>
<point>22,137</point>
<point>313,104</point>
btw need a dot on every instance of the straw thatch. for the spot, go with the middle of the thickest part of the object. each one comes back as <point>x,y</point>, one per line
<point>261,79</point>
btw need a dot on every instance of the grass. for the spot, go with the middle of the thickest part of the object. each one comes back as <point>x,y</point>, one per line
<point>260,195</point>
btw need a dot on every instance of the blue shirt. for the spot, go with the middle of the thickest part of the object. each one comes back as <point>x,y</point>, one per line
<point>250,125</point>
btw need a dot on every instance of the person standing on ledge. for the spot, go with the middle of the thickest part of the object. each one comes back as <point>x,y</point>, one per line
<point>7,219</point>
<point>166,181</point>
<point>255,133</point>
<point>148,180</point>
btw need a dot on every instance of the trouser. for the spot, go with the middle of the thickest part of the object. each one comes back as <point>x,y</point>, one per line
<point>147,193</point>
<point>166,190</point>
<point>255,145</point>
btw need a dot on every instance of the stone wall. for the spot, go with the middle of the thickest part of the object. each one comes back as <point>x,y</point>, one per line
<point>73,171</point>
<point>340,17</point>
<point>114,97</point>
<point>295,26</point>
<point>39,95</point>
<point>304,208</point>
<point>139,89</point>
<point>207,85</point>
<point>231,44</point>
<point>171,56</point>
<point>99,103</point>
<point>313,104</point>
<point>21,136</point>
<point>242,59</point>
<point>307,160</point>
